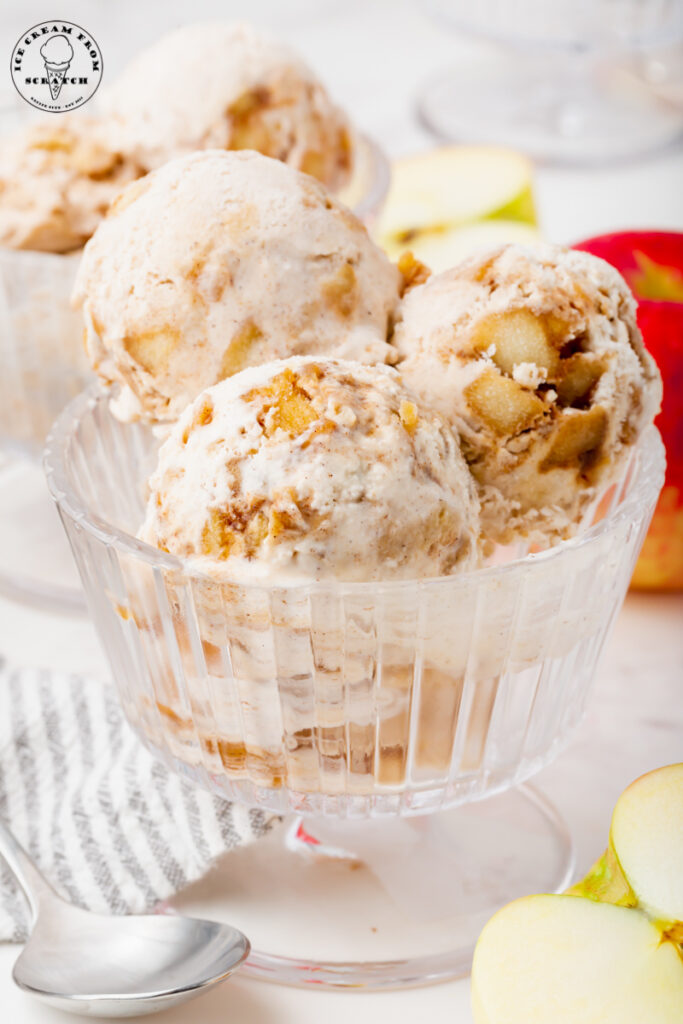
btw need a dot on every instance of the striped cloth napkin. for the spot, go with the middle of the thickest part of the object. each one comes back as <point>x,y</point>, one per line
<point>111,828</point>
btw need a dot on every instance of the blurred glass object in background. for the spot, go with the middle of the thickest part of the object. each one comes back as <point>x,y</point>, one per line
<point>556,79</point>
<point>660,70</point>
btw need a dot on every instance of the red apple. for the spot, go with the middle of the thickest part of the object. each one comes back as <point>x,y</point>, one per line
<point>652,263</point>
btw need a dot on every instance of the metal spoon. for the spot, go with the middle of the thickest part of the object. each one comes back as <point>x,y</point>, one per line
<point>105,966</point>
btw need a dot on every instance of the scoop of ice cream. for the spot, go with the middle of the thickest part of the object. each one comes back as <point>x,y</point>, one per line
<point>57,179</point>
<point>219,261</point>
<point>535,357</point>
<point>57,50</point>
<point>314,468</point>
<point>223,86</point>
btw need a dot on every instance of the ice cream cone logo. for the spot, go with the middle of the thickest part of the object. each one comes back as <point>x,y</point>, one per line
<point>57,54</point>
<point>55,78</point>
<point>56,66</point>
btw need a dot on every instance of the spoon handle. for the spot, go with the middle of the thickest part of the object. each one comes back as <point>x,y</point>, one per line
<point>35,887</point>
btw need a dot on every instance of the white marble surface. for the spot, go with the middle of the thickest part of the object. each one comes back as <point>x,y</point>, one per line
<point>374,54</point>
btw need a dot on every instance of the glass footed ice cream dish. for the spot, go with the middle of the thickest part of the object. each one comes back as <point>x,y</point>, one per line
<point>57,179</point>
<point>311,602</point>
<point>378,710</point>
<point>205,86</point>
<point>280,503</point>
<point>56,183</point>
<point>335,697</point>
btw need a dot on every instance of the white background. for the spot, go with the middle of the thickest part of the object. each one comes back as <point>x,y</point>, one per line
<point>373,56</point>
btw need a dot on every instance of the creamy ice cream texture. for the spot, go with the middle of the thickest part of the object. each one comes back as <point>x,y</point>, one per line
<point>219,261</point>
<point>534,356</point>
<point>224,86</point>
<point>57,179</point>
<point>313,468</point>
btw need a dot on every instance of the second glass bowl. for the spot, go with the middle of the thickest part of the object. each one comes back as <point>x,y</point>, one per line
<point>343,700</point>
<point>41,349</point>
<point>44,367</point>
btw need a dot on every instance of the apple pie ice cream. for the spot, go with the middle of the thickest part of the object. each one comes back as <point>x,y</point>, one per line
<point>309,468</point>
<point>219,261</point>
<point>535,357</point>
<point>225,86</point>
<point>57,179</point>
<point>298,471</point>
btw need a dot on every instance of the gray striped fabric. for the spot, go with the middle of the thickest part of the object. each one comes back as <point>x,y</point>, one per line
<point>110,827</point>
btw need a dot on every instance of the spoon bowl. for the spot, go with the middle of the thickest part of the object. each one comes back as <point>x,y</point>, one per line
<point>124,966</point>
<point>104,966</point>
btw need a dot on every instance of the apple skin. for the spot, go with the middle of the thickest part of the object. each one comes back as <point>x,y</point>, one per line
<point>660,565</point>
<point>605,883</point>
<point>646,836</point>
<point>643,864</point>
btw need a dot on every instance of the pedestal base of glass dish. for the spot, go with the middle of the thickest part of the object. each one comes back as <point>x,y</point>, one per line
<point>558,107</point>
<point>36,564</point>
<point>384,903</point>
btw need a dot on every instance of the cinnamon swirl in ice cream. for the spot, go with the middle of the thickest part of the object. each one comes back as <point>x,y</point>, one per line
<point>219,261</point>
<point>218,85</point>
<point>314,469</point>
<point>57,179</point>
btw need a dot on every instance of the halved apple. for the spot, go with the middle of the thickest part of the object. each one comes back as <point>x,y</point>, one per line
<point>643,864</point>
<point>446,247</point>
<point>567,960</point>
<point>647,840</point>
<point>611,950</point>
<point>456,185</point>
<point>434,194</point>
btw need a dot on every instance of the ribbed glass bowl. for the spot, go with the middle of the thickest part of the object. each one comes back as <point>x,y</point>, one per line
<point>44,366</point>
<point>341,699</point>
<point>41,349</point>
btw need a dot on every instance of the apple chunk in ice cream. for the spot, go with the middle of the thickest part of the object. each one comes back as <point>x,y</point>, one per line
<point>313,469</point>
<point>225,86</point>
<point>534,356</point>
<point>218,261</point>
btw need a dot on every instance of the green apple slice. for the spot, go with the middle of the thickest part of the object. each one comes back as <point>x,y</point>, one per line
<point>647,840</point>
<point>566,960</point>
<point>455,185</point>
<point>449,246</point>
